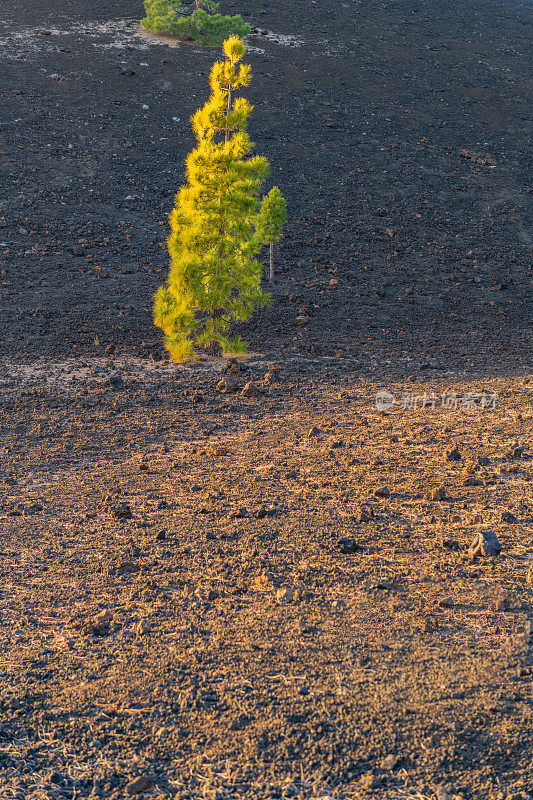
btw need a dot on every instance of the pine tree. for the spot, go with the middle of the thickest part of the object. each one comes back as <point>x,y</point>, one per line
<point>218,224</point>
<point>203,24</point>
<point>270,224</point>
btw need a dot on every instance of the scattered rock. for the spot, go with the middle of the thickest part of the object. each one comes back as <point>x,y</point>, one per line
<point>250,390</point>
<point>116,382</point>
<point>508,517</point>
<point>347,546</point>
<point>383,491</point>
<point>369,781</point>
<point>453,455</point>
<point>364,514</point>
<point>514,452</point>
<point>451,544</point>
<point>229,384</point>
<point>161,536</point>
<point>482,159</point>
<point>436,494</point>
<point>265,511</point>
<point>215,450</point>
<point>501,603</point>
<point>389,762</point>
<point>446,602</point>
<point>472,481</point>
<point>142,784</point>
<point>122,511</point>
<point>144,626</point>
<point>485,544</point>
<point>232,367</point>
<point>285,595</point>
<point>128,567</point>
<point>238,513</point>
<point>370,584</point>
<point>314,431</point>
<point>100,625</point>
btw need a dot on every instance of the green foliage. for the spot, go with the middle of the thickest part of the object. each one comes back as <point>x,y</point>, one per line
<point>272,217</point>
<point>204,25</point>
<point>219,223</point>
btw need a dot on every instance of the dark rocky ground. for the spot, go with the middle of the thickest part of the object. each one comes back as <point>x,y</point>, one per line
<point>205,589</point>
<point>363,122</point>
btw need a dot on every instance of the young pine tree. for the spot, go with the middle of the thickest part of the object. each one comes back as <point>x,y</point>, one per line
<point>273,216</point>
<point>218,225</point>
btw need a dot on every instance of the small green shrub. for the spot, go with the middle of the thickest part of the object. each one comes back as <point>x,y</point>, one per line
<point>204,25</point>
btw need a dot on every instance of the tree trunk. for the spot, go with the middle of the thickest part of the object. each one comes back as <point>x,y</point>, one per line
<point>271,262</point>
<point>214,348</point>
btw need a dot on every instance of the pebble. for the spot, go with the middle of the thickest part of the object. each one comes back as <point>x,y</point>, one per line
<point>446,602</point>
<point>99,626</point>
<point>433,495</point>
<point>470,468</point>
<point>485,544</point>
<point>364,514</point>
<point>453,455</point>
<point>285,595</point>
<point>389,762</point>
<point>122,511</point>
<point>142,784</point>
<point>250,390</point>
<point>229,384</point>
<point>501,603</point>
<point>116,382</point>
<point>232,367</point>
<point>217,450</point>
<point>262,583</point>
<point>144,626</point>
<point>369,781</point>
<point>347,546</point>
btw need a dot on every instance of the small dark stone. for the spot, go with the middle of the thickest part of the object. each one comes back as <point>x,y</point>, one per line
<point>453,455</point>
<point>485,544</point>
<point>347,546</point>
<point>116,382</point>
<point>122,511</point>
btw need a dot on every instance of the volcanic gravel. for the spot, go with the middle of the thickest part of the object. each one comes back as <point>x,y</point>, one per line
<point>397,131</point>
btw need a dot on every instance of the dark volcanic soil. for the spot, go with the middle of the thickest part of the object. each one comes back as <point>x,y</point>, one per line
<point>363,117</point>
<point>268,596</point>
